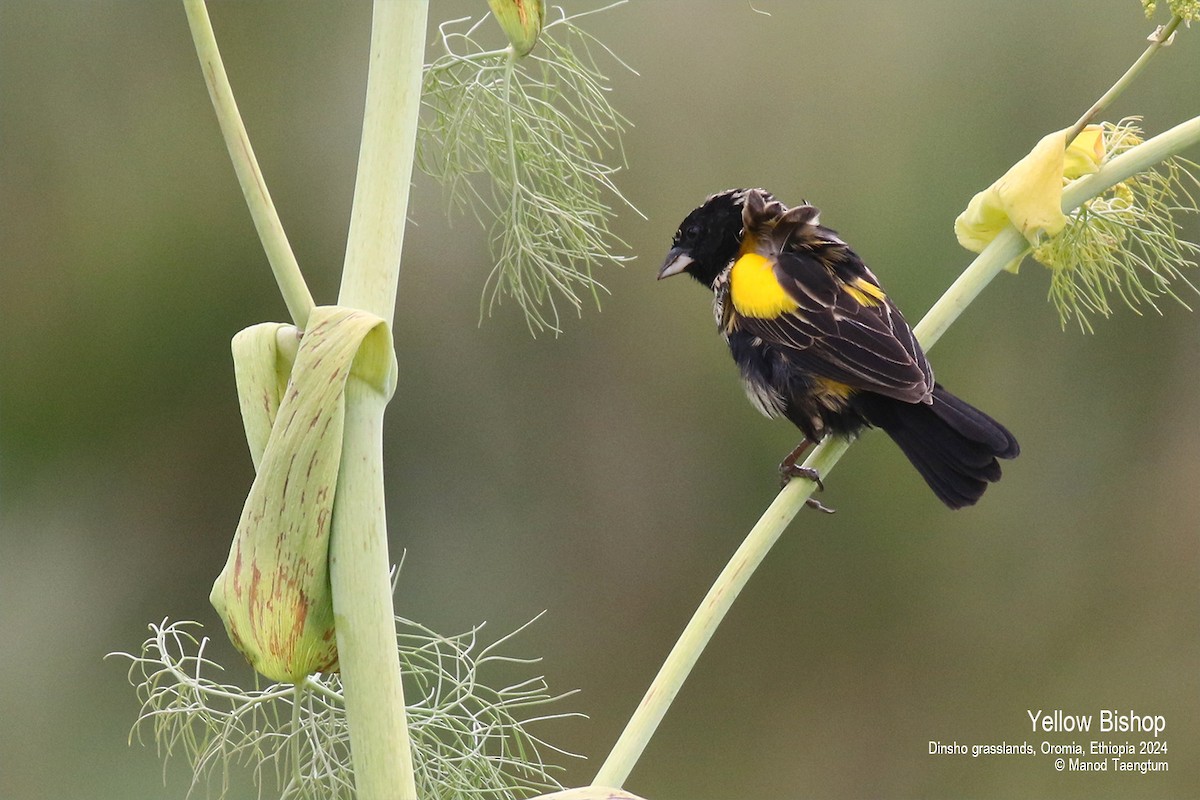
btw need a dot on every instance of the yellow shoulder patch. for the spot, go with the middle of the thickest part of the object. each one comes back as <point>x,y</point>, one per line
<point>755,291</point>
<point>864,292</point>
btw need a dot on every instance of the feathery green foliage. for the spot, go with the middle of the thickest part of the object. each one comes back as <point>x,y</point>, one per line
<point>1125,242</point>
<point>539,129</point>
<point>468,739</point>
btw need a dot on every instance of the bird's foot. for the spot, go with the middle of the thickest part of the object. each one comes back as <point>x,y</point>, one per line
<point>788,469</point>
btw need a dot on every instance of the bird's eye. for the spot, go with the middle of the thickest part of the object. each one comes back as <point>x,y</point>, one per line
<point>692,232</point>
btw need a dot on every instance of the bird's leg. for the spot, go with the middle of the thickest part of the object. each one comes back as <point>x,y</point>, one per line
<point>788,469</point>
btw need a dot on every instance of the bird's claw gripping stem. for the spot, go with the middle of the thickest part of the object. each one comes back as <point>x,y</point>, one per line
<point>788,469</point>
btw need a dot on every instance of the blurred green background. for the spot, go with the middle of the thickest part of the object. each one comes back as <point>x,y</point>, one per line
<point>608,474</point>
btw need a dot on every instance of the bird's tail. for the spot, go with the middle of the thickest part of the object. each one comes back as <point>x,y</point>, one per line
<point>951,443</point>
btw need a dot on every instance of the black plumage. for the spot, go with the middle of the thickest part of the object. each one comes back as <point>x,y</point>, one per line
<point>820,343</point>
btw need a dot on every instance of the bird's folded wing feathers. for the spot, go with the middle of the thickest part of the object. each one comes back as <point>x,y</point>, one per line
<point>840,331</point>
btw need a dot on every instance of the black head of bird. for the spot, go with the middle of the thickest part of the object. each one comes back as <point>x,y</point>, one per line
<point>709,237</point>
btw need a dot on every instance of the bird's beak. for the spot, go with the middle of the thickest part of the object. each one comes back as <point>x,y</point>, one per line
<point>677,261</point>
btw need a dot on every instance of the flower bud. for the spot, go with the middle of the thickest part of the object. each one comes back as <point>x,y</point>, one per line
<point>521,20</point>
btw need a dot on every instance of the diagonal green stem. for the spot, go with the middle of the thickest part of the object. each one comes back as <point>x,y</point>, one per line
<point>1007,245</point>
<point>1158,40</point>
<point>1131,162</point>
<point>769,528</point>
<point>266,221</point>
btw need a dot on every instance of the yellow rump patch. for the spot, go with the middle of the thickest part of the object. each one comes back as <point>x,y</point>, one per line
<point>828,387</point>
<point>864,292</point>
<point>755,291</point>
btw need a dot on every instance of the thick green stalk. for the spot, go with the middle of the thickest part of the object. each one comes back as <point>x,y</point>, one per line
<point>266,221</point>
<point>385,159</point>
<point>362,595</point>
<point>362,603</point>
<point>1131,162</point>
<point>683,656</point>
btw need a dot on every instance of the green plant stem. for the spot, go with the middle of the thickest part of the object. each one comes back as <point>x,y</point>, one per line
<point>362,592</point>
<point>1137,159</point>
<point>385,160</point>
<point>266,221</point>
<point>1007,245</point>
<point>1157,42</point>
<point>363,615</point>
<point>771,525</point>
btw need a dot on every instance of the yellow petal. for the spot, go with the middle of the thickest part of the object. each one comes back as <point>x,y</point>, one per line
<point>1085,154</point>
<point>1029,195</point>
<point>982,220</point>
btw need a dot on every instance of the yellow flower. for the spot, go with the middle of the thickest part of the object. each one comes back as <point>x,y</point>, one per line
<point>1029,195</point>
<point>1085,154</point>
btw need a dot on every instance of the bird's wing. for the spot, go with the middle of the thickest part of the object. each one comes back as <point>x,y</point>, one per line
<point>843,326</point>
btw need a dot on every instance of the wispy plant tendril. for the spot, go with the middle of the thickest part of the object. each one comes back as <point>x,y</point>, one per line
<point>469,740</point>
<point>1124,243</point>
<point>541,131</point>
